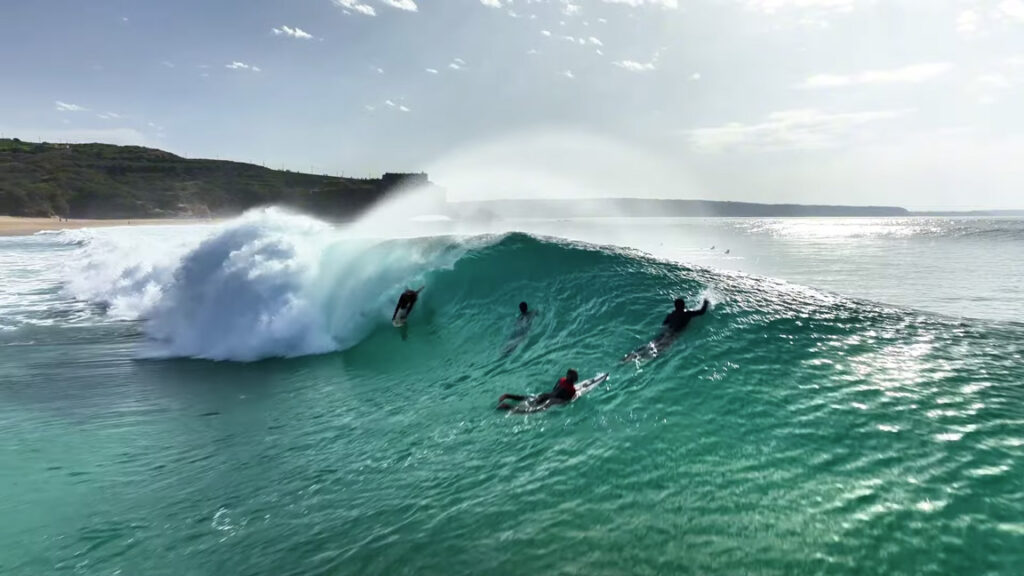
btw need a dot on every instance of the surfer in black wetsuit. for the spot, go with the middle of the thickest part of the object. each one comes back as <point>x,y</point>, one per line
<point>677,320</point>
<point>672,325</point>
<point>521,329</point>
<point>564,391</point>
<point>405,303</point>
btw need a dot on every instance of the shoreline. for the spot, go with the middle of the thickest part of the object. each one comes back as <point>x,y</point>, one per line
<point>27,226</point>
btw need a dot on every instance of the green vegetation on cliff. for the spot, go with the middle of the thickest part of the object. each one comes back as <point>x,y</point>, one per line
<point>106,181</point>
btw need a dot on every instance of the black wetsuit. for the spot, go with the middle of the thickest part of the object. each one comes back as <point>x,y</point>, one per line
<point>677,320</point>
<point>405,302</point>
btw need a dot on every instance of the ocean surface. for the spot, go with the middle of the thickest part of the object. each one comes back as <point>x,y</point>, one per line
<point>232,399</point>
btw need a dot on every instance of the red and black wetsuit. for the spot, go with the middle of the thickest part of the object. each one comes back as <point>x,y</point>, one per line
<point>564,390</point>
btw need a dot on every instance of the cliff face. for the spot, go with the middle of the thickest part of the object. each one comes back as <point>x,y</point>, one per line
<point>105,181</point>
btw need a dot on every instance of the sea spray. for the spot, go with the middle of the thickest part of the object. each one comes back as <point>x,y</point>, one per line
<point>268,284</point>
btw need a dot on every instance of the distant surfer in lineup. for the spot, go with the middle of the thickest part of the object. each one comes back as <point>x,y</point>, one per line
<point>524,310</point>
<point>564,391</point>
<point>404,307</point>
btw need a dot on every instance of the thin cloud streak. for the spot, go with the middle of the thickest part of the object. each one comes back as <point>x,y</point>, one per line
<point>808,129</point>
<point>65,107</point>
<point>297,33</point>
<point>914,74</point>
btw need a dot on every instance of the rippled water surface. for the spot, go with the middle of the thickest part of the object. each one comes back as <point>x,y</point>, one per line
<point>798,428</point>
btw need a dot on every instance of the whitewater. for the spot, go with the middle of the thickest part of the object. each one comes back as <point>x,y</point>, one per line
<point>231,398</point>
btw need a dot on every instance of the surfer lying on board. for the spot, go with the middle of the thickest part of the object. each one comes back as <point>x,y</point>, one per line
<point>677,320</point>
<point>564,391</point>
<point>405,303</point>
<point>672,325</point>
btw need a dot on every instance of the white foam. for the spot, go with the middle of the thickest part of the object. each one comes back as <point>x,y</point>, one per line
<point>267,284</point>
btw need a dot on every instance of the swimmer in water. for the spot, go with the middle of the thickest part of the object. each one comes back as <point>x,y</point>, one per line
<point>564,391</point>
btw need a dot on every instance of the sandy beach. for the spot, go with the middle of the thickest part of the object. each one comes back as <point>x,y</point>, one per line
<point>17,226</point>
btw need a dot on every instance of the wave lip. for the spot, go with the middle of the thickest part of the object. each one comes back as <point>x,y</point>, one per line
<point>243,294</point>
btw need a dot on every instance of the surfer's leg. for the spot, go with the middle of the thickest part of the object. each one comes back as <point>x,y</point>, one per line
<point>515,397</point>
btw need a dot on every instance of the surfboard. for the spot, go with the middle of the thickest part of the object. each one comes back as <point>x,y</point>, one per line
<point>651,349</point>
<point>530,405</point>
<point>399,320</point>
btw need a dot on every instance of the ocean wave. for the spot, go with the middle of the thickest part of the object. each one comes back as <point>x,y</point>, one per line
<point>269,284</point>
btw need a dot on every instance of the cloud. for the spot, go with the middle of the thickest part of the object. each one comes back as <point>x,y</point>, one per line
<point>389,103</point>
<point>431,70</point>
<point>457,64</point>
<point>109,116</point>
<point>1013,8</point>
<point>990,87</point>
<point>408,5</point>
<point>356,6</point>
<point>236,65</point>
<point>491,3</point>
<point>967,22</point>
<point>773,6</point>
<point>788,130</point>
<point>634,66</point>
<point>545,33</point>
<point>695,76</point>
<point>568,74</point>
<point>65,107</point>
<point>167,64</point>
<point>669,4</point>
<point>914,74</point>
<point>298,33</point>
<point>404,108</point>
<point>595,41</point>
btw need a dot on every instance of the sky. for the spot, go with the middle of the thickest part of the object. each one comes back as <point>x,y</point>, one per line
<point>894,102</point>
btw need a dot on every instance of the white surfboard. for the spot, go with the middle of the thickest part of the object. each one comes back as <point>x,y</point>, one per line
<point>529,405</point>
<point>399,319</point>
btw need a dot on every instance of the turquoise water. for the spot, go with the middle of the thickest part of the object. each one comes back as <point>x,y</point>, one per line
<point>792,430</point>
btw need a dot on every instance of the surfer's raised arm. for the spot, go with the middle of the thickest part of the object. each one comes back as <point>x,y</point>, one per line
<point>702,310</point>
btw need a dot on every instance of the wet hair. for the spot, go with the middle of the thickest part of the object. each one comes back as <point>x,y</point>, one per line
<point>680,304</point>
<point>523,307</point>
<point>572,375</point>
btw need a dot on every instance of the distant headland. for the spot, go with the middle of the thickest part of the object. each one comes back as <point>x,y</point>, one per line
<point>104,181</point>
